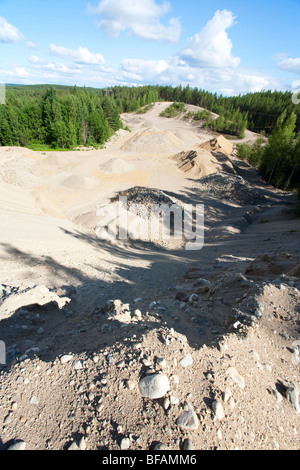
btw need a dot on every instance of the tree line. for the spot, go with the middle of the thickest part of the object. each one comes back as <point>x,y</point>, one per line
<point>65,117</point>
<point>278,159</point>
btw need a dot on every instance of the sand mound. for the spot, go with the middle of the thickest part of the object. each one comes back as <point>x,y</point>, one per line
<point>116,165</point>
<point>52,160</point>
<point>15,151</point>
<point>270,267</point>
<point>197,164</point>
<point>79,182</point>
<point>219,144</point>
<point>154,142</point>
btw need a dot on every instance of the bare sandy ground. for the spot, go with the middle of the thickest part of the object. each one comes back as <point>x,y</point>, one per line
<point>57,279</point>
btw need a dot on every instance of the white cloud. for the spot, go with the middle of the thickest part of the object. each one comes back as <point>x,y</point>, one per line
<point>15,72</point>
<point>280,56</point>
<point>21,72</point>
<point>8,32</point>
<point>212,48</point>
<point>31,45</point>
<point>140,68</point>
<point>139,17</point>
<point>62,68</point>
<point>207,62</point>
<point>175,71</point>
<point>290,65</point>
<point>35,60</point>
<point>81,55</point>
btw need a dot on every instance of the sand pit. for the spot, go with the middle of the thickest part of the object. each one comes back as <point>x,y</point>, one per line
<point>72,374</point>
<point>116,166</point>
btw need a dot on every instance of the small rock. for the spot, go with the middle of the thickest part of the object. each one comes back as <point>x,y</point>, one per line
<point>138,314</point>
<point>174,400</point>
<point>188,445</point>
<point>161,446</point>
<point>33,400</point>
<point>202,286</point>
<point>218,410</point>
<point>129,384</point>
<point>18,446</point>
<point>188,420</point>
<point>194,298</point>
<point>292,395</point>
<point>74,446</point>
<point>231,403</point>
<point>186,361</point>
<point>236,377</point>
<point>66,358</point>
<point>82,444</point>
<point>125,443</point>
<point>154,386</point>
<point>166,404</point>
<point>226,395</point>
<point>77,365</point>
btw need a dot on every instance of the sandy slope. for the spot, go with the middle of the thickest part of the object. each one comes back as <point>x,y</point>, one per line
<point>50,253</point>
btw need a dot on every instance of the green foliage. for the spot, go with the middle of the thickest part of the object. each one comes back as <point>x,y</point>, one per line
<point>145,109</point>
<point>278,164</point>
<point>173,110</point>
<point>231,122</point>
<point>203,116</point>
<point>253,154</point>
<point>279,159</point>
<point>57,117</point>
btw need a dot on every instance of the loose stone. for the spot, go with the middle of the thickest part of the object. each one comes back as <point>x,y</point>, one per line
<point>154,386</point>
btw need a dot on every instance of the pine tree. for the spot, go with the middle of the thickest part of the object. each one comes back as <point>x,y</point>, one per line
<point>279,149</point>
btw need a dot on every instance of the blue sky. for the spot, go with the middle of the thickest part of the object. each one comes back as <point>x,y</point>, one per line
<point>228,47</point>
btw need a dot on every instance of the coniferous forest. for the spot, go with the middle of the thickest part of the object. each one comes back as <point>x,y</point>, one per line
<point>62,117</point>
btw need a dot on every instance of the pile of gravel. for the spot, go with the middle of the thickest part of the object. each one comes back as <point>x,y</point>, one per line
<point>230,187</point>
<point>140,200</point>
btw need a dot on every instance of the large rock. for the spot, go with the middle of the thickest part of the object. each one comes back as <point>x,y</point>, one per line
<point>154,386</point>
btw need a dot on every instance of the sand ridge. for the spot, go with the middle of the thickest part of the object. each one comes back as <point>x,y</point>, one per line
<point>85,320</point>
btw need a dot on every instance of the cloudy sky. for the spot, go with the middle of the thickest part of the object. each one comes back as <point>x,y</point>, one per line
<point>228,47</point>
